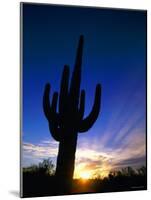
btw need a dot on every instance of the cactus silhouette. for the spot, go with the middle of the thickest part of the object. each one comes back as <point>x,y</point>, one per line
<point>66,115</point>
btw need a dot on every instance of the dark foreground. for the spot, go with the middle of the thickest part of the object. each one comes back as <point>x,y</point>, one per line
<point>36,185</point>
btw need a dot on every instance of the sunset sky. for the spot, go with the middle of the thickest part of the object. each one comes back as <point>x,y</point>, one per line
<point>114,55</point>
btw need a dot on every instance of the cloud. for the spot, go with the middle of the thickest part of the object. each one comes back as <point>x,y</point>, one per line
<point>134,162</point>
<point>94,158</point>
<point>131,151</point>
<point>34,153</point>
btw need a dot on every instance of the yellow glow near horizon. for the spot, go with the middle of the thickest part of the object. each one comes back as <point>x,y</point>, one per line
<point>92,166</point>
<point>81,172</point>
<point>85,175</point>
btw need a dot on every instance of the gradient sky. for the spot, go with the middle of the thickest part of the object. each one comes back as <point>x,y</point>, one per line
<point>114,55</point>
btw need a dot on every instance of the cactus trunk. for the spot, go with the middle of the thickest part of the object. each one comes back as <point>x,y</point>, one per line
<point>66,158</point>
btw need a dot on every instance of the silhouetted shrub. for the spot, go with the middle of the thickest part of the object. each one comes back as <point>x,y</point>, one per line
<point>39,180</point>
<point>46,167</point>
<point>128,172</point>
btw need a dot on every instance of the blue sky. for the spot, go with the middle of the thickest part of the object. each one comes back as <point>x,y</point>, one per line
<point>114,55</point>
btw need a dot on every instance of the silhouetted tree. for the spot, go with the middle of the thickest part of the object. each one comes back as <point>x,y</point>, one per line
<point>66,118</point>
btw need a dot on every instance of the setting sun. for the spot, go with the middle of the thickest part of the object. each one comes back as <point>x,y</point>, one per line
<point>85,175</point>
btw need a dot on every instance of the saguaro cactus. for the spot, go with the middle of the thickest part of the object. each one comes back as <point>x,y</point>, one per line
<point>66,117</point>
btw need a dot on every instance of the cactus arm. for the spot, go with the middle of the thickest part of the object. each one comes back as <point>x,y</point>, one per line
<point>54,123</point>
<point>82,105</point>
<point>51,112</point>
<point>87,123</point>
<point>54,105</point>
<point>64,90</point>
<point>46,101</point>
<point>55,131</point>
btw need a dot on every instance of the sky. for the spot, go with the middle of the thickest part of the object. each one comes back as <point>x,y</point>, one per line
<point>114,55</point>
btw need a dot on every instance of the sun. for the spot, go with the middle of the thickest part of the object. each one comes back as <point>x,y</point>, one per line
<point>85,175</point>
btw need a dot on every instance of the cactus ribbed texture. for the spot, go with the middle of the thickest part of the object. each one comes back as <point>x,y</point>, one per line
<point>66,115</point>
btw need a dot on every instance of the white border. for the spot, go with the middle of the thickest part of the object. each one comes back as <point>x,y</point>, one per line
<point>9,96</point>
